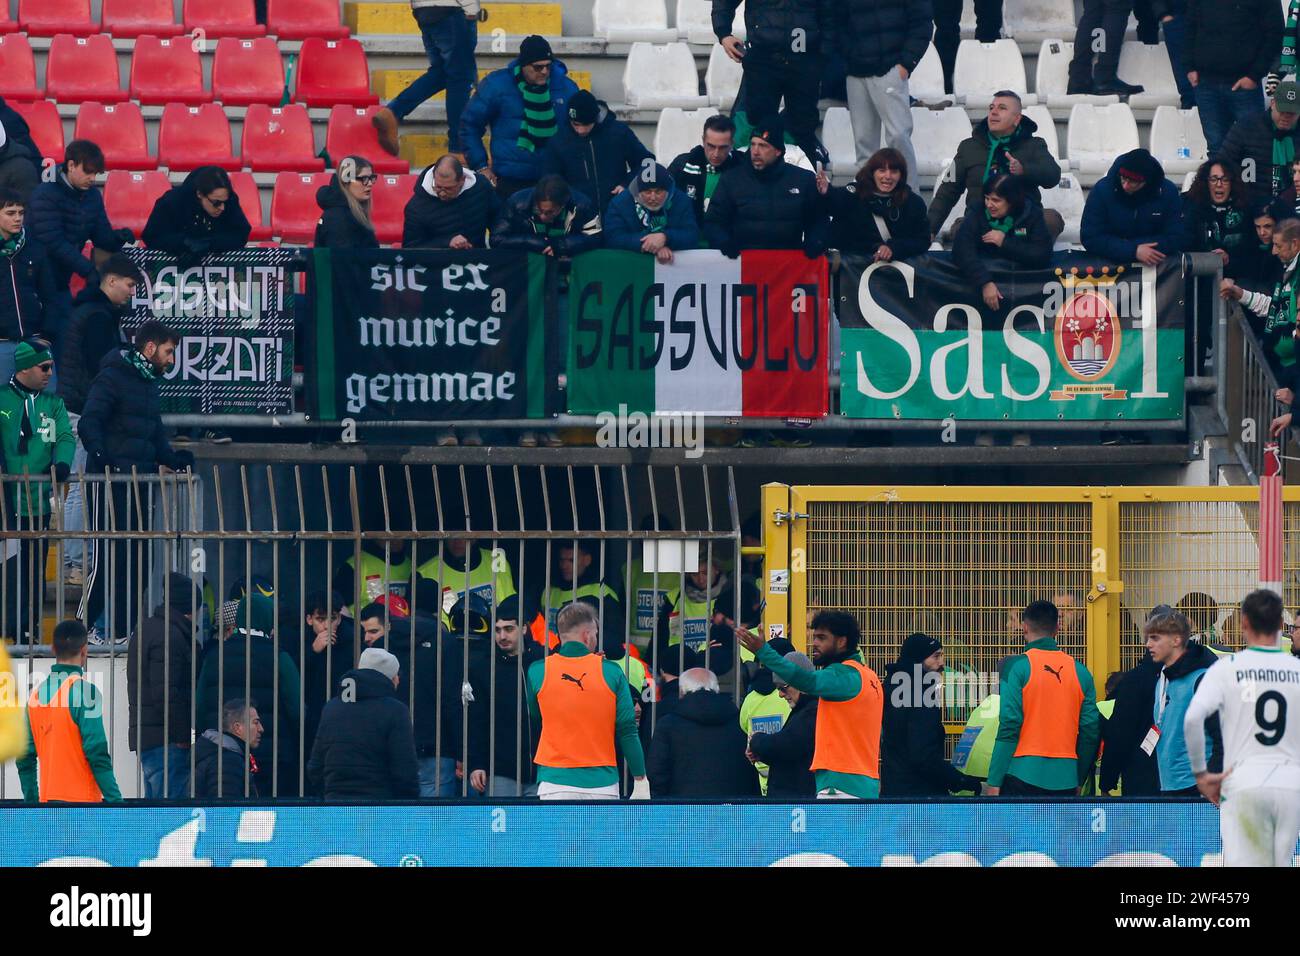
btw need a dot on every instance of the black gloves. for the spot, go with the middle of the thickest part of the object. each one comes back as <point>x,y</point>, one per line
<point>730,249</point>
<point>813,248</point>
<point>61,471</point>
<point>124,236</point>
<point>96,464</point>
<point>182,459</point>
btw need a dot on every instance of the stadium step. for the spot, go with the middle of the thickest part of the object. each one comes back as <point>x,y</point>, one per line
<point>422,149</point>
<point>386,84</point>
<point>516,19</point>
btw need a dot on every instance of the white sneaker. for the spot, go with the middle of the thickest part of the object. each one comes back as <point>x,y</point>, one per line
<point>97,638</point>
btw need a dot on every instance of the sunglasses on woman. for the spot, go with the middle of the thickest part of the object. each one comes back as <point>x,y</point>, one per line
<point>368,180</point>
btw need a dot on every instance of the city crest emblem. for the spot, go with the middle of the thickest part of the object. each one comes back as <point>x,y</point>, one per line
<point>1088,334</point>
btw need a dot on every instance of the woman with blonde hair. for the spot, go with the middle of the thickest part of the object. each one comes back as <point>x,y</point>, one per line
<point>345,221</point>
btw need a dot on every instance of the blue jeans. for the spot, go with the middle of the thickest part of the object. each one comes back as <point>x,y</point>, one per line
<point>499,786</point>
<point>1175,41</point>
<point>178,772</point>
<point>450,45</point>
<point>438,777</point>
<point>1221,107</point>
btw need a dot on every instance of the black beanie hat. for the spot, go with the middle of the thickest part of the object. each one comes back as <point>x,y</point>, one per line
<point>917,647</point>
<point>772,133</point>
<point>583,108</point>
<point>533,50</point>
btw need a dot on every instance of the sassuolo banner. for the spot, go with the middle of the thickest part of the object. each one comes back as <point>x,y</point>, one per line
<point>703,335</point>
<point>424,335</point>
<point>1082,339</point>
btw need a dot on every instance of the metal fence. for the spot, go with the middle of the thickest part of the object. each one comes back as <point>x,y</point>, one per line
<point>283,539</point>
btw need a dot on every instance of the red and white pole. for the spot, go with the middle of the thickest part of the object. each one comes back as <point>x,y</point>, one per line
<point>1270,521</point>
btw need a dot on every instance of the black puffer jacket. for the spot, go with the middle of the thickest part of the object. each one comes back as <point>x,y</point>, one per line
<point>18,137</point>
<point>62,219</point>
<point>158,671</point>
<point>609,156</point>
<point>690,173</point>
<point>1123,732</point>
<point>776,208</point>
<point>94,330</point>
<point>26,286</point>
<point>1251,137</point>
<point>364,749</point>
<point>337,228</point>
<point>853,223</point>
<point>789,753</point>
<point>516,228</point>
<point>698,751</point>
<point>431,223</point>
<point>769,24</point>
<point>1229,39</point>
<point>215,750</point>
<point>875,36</point>
<point>179,225</point>
<point>1028,244</point>
<point>912,763</point>
<point>121,423</point>
<point>439,714</point>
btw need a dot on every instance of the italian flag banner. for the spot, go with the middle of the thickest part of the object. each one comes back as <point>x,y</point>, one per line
<point>704,335</point>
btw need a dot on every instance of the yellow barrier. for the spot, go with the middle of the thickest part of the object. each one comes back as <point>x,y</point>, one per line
<point>960,563</point>
<point>386,84</point>
<point>516,19</point>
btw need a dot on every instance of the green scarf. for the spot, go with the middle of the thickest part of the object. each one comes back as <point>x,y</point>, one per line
<point>25,430</point>
<point>11,247</point>
<point>141,365</point>
<point>652,221</point>
<point>1283,156</point>
<point>995,143</point>
<point>538,125</point>
<point>1288,61</point>
<point>1001,225</point>
<point>553,230</point>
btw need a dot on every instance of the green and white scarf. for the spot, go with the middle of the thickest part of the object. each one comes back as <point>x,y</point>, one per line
<point>1287,65</point>
<point>1283,156</point>
<point>142,365</point>
<point>538,125</point>
<point>11,247</point>
<point>1001,225</point>
<point>652,221</point>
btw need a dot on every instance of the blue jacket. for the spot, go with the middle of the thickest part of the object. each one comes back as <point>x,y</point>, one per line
<point>595,164</point>
<point>623,230</point>
<point>499,106</point>
<point>1179,683</point>
<point>1115,224</point>
<point>62,219</point>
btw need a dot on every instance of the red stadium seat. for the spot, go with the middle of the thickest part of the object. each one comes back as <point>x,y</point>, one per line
<point>332,72</point>
<point>43,120</point>
<point>45,18</point>
<point>350,133</point>
<point>130,197</point>
<point>134,18</point>
<point>303,19</point>
<point>279,139</point>
<point>7,25</point>
<point>167,71</point>
<point>118,128</point>
<point>250,200</point>
<point>18,69</point>
<point>247,71</point>
<point>82,68</point>
<point>294,212</point>
<point>222,18</point>
<point>388,206</point>
<point>194,136</point>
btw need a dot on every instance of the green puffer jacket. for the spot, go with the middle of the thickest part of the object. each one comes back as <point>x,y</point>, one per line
<point>51,443</point>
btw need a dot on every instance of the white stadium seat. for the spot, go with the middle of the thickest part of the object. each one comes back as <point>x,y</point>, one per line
<point>1148,66</point>
<point>926,81</point>
<point>658,76</point>
<point>722,79</point>
<point>1042,117</point>
<point>1052,77</point>
<point>837,137</point>
<point>936,134</point>
<point>797,157</point>
<point>984,68</point>
<point>1188,180</point>
<point>1098,134</point>
<point>1177,140</point>
<point>737,22</point>
<point>1029,18</point>
<point>1066,198</point>
<point>629,21</point>
<point>679,131</point>
<point>959,207</point>
<point>695,21</point>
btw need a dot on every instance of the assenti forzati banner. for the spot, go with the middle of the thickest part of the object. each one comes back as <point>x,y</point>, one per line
<point>424,335</point>
<point>235,315</point>
<point>1080,339</point>
<point>704,335</point>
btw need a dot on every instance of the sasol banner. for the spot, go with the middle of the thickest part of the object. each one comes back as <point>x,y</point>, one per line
<point>868,833</point>
<point>1081,339</point>
<point>235,314</point>
<point>424,335</point>
<point>703,335</point>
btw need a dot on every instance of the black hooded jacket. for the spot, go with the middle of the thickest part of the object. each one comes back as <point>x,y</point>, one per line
<point>160,671</point>
<point>179,225</point>
<point>431,223</point>
<point>788,753</point>
<point>337,228</point>
<point>221,755</point>
<point>364,749</point>
<point>698,751</point>
<point>912,763</point>
<point>1027,244</point>
<point>121,423</point>
<point>1122,734</point>
<point>94,330</point>
<point>854,229</point>
<point>27,289</point>
<point>1115,222</point>
<point>503,749</point>
<point>607,157</point>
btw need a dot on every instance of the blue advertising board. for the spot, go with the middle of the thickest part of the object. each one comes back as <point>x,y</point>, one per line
<point>983,833</point>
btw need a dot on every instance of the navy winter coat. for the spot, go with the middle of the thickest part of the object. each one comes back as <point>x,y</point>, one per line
<point>580,219</point>
<point>1115,224</point>
<point>94,330</point>
<point>26,291</point>
<point>499,106</point>
<point>769,24</point>
<point>875,36</point>
<point>609,156</point>
<point>62,219</point>
<point>121,423</point>
<point>623,230</point>
<point>777,208</point>
<point>364,749</point>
